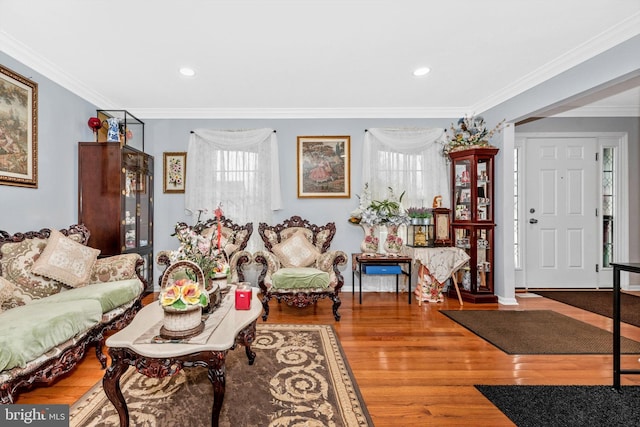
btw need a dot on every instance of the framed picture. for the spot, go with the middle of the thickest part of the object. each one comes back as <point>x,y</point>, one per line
<point>174,168</point>
<point>18,130</point>
<point>324,166</point>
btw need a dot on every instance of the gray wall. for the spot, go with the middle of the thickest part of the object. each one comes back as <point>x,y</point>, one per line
<point>62,122</point>
<point>173,135</point>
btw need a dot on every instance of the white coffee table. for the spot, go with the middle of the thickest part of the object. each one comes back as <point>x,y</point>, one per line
<point>161,360</point>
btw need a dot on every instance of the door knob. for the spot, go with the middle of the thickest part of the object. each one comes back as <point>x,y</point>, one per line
<point>533,221</point>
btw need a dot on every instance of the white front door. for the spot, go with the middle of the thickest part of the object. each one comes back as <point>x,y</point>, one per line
<point>560,219</point>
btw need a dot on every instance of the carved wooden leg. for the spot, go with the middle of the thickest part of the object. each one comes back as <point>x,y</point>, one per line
<point>336,304</point>
<point>111,385</point>
<point>246,337</point>
<point>216,376</point>
<point>99,354</point>
<point>265,306</point>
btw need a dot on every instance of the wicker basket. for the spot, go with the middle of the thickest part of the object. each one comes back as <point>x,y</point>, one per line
<point>181,324</point>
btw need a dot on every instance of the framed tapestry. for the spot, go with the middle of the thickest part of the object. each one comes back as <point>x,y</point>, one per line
<point>324,166</point>
<point>174,172</point>
<point>18,130</point>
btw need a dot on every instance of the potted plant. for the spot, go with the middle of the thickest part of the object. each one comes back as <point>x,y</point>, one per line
<point>419,215</point>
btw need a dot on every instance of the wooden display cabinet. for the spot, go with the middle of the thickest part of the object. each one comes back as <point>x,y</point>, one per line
<point>115,200</point>
<point>472,226</point>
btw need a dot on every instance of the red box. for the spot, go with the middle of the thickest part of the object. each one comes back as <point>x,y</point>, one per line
<point>243,297</point>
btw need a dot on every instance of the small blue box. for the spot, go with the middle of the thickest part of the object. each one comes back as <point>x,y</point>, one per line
<point>382,269</point>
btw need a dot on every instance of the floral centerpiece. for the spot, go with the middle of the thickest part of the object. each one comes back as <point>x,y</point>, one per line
<point>183,293</point>
<point>469,132</point>
<point>206,251</point>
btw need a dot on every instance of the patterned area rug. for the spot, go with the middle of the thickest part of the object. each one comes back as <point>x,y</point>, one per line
<point>300,377</point>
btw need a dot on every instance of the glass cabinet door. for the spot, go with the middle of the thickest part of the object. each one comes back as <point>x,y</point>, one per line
<point>137,200</point>
<point>484,212</point>
<point>477,241</point>
<point>484,243</point>
<point>462,190</point>
<point>130,190</point>
<point>145,201</point>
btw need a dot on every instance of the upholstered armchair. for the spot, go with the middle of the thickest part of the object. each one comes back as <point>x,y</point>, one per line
<point>234,240</point>
<point>297,265</point>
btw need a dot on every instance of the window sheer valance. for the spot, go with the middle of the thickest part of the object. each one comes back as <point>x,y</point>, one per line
<point>238,168</point>
<point>408,160</point>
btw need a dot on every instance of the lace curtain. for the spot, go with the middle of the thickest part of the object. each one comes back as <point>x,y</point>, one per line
<point>408,160</point>
<point>238,169</point>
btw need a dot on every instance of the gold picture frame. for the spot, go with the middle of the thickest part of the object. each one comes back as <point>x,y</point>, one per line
<point>18,130</point>
<point>324,167</point>
<point>174,172</point>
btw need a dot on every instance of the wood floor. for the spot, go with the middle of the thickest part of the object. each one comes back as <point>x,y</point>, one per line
<point>415,366</point>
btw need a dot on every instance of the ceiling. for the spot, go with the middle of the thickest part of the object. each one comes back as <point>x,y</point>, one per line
<point>312,58</point>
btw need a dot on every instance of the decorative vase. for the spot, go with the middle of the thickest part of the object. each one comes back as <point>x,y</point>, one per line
<point>393,242</point>
<point>382,237</point>
<point>370,242</point>
<point>113,133</point>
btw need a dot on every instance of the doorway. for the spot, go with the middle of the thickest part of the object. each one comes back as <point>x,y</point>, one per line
<point>564,238</point>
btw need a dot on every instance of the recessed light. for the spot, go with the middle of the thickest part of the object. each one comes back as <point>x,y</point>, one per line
<point>188,72</point>
<point>422,71</point>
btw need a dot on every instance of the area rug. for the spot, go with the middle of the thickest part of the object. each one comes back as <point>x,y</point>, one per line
<point>567,406</point>
<point>300,377</point>
<point>599,302</point>
<point>538,332</point>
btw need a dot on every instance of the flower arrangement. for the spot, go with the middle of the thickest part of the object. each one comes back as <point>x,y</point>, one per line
<point>468,132</point>
<point>388,211</point>
<point>207,252</point>
<point>182,294</point>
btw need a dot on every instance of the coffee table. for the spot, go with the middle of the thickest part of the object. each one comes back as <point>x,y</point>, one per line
<point>165,359</point>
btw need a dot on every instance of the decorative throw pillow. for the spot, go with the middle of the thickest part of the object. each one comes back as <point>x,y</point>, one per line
<point>16,262</point>
<point>6,292</point>
<point>66,261</point>
<point>296,251</point>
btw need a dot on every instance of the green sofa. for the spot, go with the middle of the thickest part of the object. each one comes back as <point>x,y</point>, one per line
<point>57,298</point>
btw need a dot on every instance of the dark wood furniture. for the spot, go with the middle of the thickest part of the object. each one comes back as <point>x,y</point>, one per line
<point>159,360</point>
<point>115,200</point>
<point>329,261</point>
<point>472,178</point>
<point>358,260</point>
<point>617,371</point>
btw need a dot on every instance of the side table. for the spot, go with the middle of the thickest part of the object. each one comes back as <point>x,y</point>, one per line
<point>360,259</point>
<point>165,359</point>
<point>438,264</point>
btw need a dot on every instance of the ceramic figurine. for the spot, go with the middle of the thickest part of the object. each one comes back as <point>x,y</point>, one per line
<point>113,133</point>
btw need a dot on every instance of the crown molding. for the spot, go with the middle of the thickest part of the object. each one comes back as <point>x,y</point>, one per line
<point>28,57</point>
<point>296,113</point>
<point>609,38</point>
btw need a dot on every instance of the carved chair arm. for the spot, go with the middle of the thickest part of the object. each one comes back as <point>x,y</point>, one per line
<point>236,264</point>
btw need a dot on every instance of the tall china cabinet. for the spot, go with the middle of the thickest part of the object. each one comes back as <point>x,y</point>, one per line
<point>472,227</point>
<point>115,190</point>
